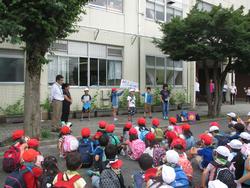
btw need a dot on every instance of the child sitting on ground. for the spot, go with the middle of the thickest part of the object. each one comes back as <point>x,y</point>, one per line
<point>142,130</point>
<point>159,134</point>
<point>136,147</point>
<point>173,125</point>
<point>205,151</point>
<point>125,137</point>
<point>113,139</point>
<point>67,142</point>
<point>50,170</point>
<point>102,127</point>
<point>73,163</point>
<point>12,157</point>
<point>188,135</point>
<point>86,148</point>
<point>34,144</point>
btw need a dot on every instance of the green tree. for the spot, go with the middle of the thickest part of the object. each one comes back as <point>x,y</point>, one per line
<point>37,24</point>
<point>213,39</point>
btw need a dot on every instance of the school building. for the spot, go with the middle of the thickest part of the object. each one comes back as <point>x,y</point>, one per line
<point>113,42</point>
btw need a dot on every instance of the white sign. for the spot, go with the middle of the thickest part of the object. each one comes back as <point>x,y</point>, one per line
<point>127,84</point>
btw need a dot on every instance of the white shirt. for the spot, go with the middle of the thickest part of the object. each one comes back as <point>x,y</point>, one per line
<point>225,88</point>
<point>57,92</point>
<point>197,87</point>
<point>149,151</point>
<point>248,92</point>
<point>131,101</point>
<point>233,89</point>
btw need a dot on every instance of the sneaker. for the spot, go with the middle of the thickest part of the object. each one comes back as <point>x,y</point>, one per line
<point>166,117</point>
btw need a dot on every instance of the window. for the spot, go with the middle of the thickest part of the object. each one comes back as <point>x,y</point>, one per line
<point>172,12</point>
<point>161,70</point>
<point>204,6</point>
<point>115,5</point>
<point>11,66</point>
<point>155,9</point>
<point>102,68</point>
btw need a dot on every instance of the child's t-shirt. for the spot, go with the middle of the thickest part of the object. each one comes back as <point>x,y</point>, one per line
<point>131,101</point>
<point>80,183</point>
<point>148,98</point>
<point>207,155</point>
<point>86,98</point>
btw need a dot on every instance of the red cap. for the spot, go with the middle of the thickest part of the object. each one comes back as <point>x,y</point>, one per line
<point>141,121</point>
<point>214,123</point>
<point>30,155</point>
<point>173,120</point>
<point>185,127</point>
<point>17,134</point>
<point>110,128</point>
<point>150,136</point>
<point>206,139</point>
<point>171,135</point>
<point>116,164</point>
<point>179,141</point>
<point>150,173</point>
<point>97,135</point>
<point>155,122</point>
<point>86,132</point>
<point>102,124</point>
<point>128,125</point>
<point>65,130</point>
<point>33,143</point>
<point>114,89</point>
<point>132,131</point>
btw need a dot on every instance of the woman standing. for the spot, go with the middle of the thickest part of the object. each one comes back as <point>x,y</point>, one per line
<point>66,103</point>
<point>165,95</point>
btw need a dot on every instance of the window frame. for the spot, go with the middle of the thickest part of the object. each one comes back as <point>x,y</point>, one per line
<point>23,56</point>
<point>92,5</point>
<point>155,2</point>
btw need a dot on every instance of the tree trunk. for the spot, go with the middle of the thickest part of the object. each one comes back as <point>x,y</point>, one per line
<point>32,118</point>
<point>209,97</point>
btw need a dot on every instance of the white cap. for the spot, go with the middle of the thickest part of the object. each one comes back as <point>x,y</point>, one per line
<point>248,114</point>
<point>231,114</point>
<point>172,156</point>
<point>222,150</point>
<point>245,135</point>
<point>216,184</point>
<point>132,90</point>
<point>86,89</point>
<point>235,144</point>
<point>213,128</point>
<point>168,174</point>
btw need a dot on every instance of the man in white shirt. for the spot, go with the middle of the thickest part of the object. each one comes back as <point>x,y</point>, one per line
<point>224,92</point>
<point>233,93</point>
<point>57,100</point>
<point>197,89</point>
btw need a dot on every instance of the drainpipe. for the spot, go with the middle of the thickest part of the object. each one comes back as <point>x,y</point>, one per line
<point>139,44</point>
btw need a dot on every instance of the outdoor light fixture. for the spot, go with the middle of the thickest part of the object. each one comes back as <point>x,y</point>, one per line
<point>170,2</point>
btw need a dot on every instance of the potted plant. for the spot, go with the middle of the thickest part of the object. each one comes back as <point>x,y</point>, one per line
<point>46,105</point>
<point>180,99</point>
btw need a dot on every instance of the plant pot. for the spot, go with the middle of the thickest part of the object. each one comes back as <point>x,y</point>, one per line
<point>104,112</point>
<point>172,107</point>
<point>156,108</point>
<point>2,119</point>
<point>179,106</point>
<point>78,114</point>
<point>122,111</point>
<point>14,119</point>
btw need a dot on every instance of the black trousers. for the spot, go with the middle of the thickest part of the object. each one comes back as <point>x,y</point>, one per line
<point>65,112</point>
<point>232,98</point>
<point>224,97</point>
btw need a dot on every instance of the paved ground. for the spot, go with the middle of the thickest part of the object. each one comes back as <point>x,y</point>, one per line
<point>129,166</point>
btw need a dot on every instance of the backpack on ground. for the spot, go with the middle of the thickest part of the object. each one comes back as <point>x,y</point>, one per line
<point>225,176</point>
<point>11,159</point>
<point>181,180</point>
<point>69,143</point>
<point>15,179</point>
<point>222,140</point>
<point>138,180</point>
<point>69,183</point>
<point>158,154</point>
<point>159,134</point>
<point>143,132</point>
<point>86,148</point>
<point>138,147</point>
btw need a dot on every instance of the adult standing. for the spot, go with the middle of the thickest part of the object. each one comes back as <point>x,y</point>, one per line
<point>57,101</point>
<point>211,89</point>
<point>247,91</point>
<point>233,93</point>
<point>224,92</point>
<point>165,95</point>
<point>66,103</point>
<point>197,90</point>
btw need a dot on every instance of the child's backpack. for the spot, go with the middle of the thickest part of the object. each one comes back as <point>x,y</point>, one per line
<point>70,143</point>
<point>15,179</point>
<point>11,159</point>
<point>109,179</point>
<point>86,148</point>
<point>159,134</point>
<point>186,165</point>
<point>138,180</point>
<point>137,147</point>
<point>222,140</point>
<point>69,183</point>
<point>46,180</point>
<point>181,180</point>
<point>143,132</point>
<point>114,140</point>
<point>225,176</point>
<point>158,154</point>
